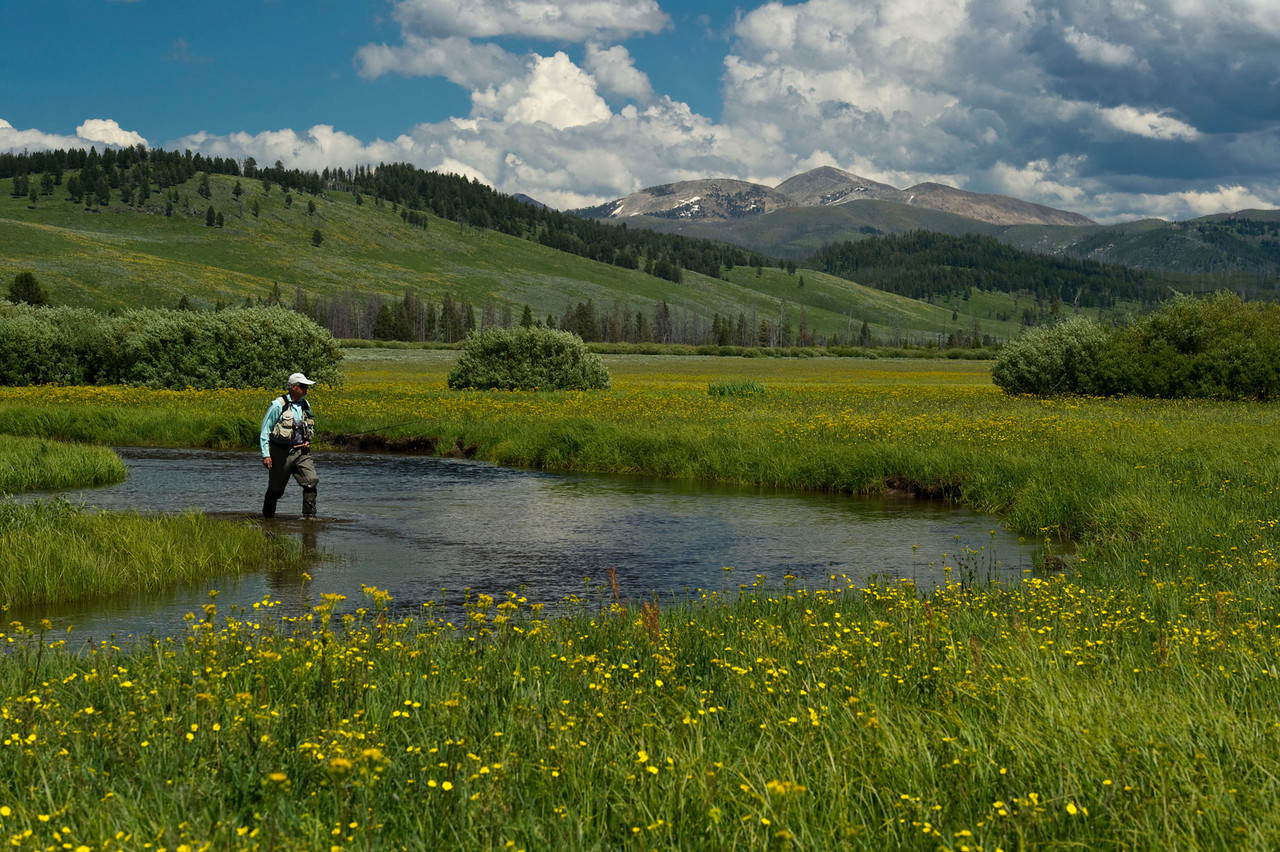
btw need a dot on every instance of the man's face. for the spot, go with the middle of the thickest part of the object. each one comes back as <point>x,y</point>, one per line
<point>298,391</point>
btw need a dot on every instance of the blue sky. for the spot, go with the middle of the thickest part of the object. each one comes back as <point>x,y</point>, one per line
<point>1118,109</point>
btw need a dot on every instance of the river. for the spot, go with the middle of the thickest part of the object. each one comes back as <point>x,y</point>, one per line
<point>426,529</point>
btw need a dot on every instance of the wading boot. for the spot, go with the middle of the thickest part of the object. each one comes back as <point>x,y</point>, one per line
<point>269,503</point>
<point>309,504</point>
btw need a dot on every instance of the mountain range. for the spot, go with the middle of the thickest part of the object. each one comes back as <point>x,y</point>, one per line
<point>722,200</point>
<point>827,205</point>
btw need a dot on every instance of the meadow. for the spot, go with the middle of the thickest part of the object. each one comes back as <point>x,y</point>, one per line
<point>1122,698</point>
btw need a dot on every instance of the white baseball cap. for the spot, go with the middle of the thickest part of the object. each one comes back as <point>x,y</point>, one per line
<point>299,379</point>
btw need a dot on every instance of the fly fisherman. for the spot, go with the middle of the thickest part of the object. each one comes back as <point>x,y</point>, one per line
<point>285,441</point>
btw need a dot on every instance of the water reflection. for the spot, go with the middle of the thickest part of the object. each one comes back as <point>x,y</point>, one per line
<point>424,528</point>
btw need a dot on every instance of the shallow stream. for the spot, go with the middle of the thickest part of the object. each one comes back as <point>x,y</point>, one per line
<point>426,528</point>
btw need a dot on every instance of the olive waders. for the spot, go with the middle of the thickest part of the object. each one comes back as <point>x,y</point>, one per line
<point>295,462</point>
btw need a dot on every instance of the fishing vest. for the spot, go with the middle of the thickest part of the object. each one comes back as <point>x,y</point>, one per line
<point>289,431</point>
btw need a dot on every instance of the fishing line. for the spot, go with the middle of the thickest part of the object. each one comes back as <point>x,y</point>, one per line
<point>389,426</point>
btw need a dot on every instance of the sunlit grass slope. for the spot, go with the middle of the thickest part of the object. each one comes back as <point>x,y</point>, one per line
<point>118,257</point>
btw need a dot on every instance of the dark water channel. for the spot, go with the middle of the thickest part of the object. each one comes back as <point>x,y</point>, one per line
<point>415,526</point>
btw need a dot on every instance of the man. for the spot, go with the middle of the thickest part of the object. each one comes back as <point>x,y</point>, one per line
<point>285,441</point>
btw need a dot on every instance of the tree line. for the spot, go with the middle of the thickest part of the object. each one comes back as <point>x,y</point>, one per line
<point>925,265</point>
<point>368,316</point>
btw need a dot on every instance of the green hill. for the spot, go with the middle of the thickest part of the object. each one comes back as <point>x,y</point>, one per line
<point>118,255</point>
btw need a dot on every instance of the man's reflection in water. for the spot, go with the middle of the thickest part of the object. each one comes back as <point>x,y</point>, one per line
<point>309,548</point>
<point>293,584</point>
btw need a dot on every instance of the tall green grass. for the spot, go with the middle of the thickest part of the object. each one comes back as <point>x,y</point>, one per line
<point>55,552</point>
<point>43,463</point>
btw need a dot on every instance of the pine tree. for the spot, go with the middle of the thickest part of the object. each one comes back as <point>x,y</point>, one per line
<point>25,288</point>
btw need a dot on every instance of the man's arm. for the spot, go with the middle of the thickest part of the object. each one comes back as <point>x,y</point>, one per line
<point>264,434</point>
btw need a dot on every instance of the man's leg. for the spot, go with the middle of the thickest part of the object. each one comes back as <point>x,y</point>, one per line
<point>269,503</point>
<point>304,473</point>
<point>277,477</point>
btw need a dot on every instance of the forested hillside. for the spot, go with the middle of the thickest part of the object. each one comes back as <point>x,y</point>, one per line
<point>131,173</point>
<point>1240,245</point>
<point>369,254</point>
<point>928,265</point>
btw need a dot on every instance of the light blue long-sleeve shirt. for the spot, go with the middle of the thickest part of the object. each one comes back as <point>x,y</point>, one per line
<point>274,413</point>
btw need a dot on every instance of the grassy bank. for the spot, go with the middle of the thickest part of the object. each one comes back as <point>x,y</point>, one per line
<point>54,552</point>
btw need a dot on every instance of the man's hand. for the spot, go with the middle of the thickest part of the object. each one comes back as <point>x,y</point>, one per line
<point>266,462</point>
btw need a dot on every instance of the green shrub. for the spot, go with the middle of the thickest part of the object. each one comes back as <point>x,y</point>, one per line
<point>49,345</point>
<point>1217,347</point>
<point>25,288</point>
<point>1058,359</point>
<point>242,347</point>
<point>525,359</point>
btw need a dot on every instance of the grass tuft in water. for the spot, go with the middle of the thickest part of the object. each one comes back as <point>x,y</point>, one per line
<point>31,463</point>
<point>56,552</point>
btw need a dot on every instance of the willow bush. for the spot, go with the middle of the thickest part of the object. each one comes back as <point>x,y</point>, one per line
<point>527,359</point>
<point>239,347</point>
<point>1217,347</point>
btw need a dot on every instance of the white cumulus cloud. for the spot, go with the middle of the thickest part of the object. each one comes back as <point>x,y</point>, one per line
<point>94,132</point>
<point>561,20</point>
<point>615,71</point>
<point>555,92</point>
<point>1152,125</point>
<point>315,149</point>
<point>108,131</point>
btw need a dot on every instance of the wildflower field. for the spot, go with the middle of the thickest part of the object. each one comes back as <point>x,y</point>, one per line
<point>1127,702</point>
